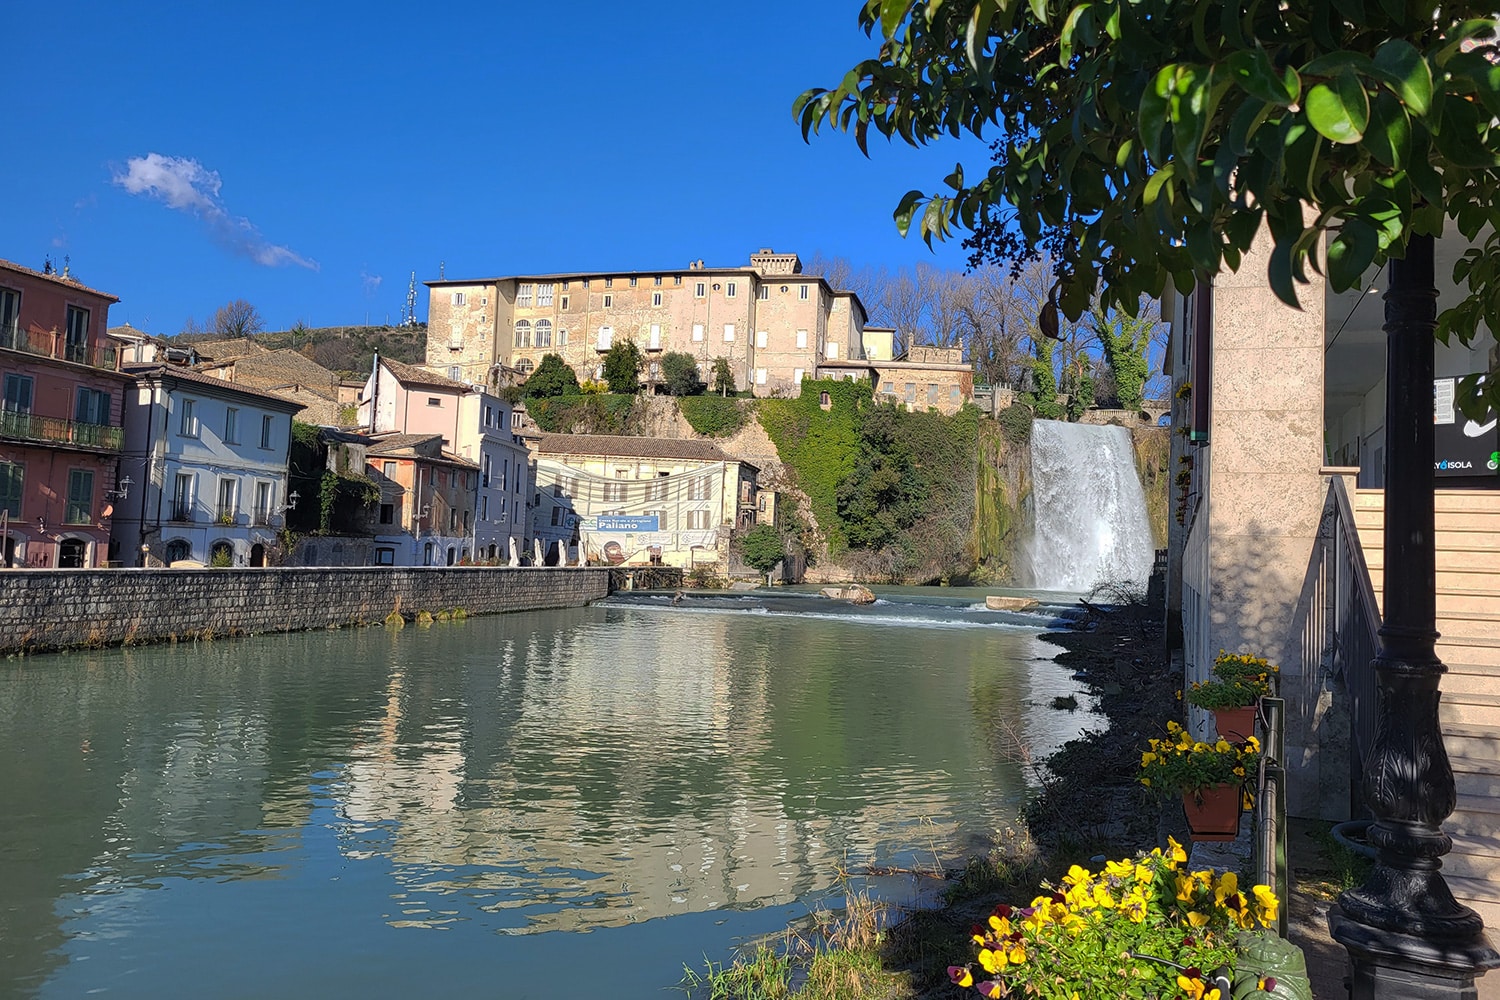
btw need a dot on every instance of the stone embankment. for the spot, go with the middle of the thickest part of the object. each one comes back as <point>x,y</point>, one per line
<point>62,608</point>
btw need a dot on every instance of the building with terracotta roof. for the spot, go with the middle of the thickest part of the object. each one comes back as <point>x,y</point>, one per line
<point>209,458</point>
<point>60,420</point>
<point>291,375</point>
<point>472,426</point>
<point>638,500</point>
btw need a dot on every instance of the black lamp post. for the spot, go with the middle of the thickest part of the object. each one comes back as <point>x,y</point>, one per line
<point>1407,937</point>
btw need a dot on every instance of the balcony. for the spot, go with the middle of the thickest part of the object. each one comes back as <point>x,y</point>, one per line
<point>182,510</point>
<point>225,515</point>
<point>262,517</point>
<point>55,430</point>
<point>54,345</point>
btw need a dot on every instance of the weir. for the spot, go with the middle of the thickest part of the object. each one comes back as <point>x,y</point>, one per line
<point>1089,511</point>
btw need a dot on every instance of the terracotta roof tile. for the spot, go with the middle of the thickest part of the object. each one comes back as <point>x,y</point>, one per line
<point>628,446</point>
<point>226,350</point>
<point>181,374</point>
<point>412,375</point>
<point>275,369</point>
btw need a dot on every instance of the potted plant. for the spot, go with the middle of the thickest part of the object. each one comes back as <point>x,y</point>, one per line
<point>1141,927</point>
<point>1232,694</point>
<point>1210,777</point>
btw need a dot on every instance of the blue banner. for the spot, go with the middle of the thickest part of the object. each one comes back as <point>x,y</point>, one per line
<point>619,522</point>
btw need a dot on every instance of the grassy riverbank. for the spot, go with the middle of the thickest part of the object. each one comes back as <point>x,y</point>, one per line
<point>1090,804</point>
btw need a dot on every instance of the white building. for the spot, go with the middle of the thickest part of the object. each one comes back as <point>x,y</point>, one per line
<point>210,458</point>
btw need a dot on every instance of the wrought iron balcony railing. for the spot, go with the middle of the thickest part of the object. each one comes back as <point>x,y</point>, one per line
<point>55,345</point>
<point>182,510</point>
<point>55,430</point>
<point>262,517</point>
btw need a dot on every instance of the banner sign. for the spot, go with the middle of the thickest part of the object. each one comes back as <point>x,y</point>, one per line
<point>621,522</point>
<point>1460,446</point>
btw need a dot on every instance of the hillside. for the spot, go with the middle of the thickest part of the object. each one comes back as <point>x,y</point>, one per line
<point>347,350</point>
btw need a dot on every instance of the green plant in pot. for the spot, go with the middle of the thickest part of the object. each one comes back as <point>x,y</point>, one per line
<point>1239,682</point>
<point>1210,777</point>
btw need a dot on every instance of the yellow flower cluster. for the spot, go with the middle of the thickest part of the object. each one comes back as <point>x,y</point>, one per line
<point>1180,763</point>
<point>1094,920</point>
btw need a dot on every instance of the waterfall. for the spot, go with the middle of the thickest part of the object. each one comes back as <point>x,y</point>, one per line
<point>1089,512</point>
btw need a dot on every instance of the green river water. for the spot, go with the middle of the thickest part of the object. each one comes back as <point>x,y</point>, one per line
<point>532,805</point>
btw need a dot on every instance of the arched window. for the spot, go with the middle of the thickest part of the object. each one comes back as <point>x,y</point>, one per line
<point>71,553</point>
<point>524,366</point>
<point>523,333</point>
<point>221,553</point>
<point>544,333</point>
<point>178,549</point>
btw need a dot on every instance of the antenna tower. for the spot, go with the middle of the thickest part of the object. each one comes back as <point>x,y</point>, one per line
<point>409,314</point>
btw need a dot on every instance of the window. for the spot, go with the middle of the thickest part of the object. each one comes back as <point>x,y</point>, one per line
<point>458,298</point>
<point>189,425</point>
<point>484,508</point>
<point>657,490</point>
<point>655,341</point>
<point>544,333</point>
<point>609,282</point>
<point>452,519</point>
<point>802,292</point>
<point>12,476</point>
<point>953,395</point>
<point>544,294</point>
<point>606,337</point>
<point>730,291</point>
<point>798,374</point>
<point>660,515</point>
<point>761,338</point>
<point>385,557</point>
<point>698,489</point>
<point>697,332</point>
<point>231,423</point>
<point>889,388</point>
<point>656,280</point>
<point>182,497</point>
<point>760,376</point>
<point>932,395</point>
<point>10,316</point>
<point>632,282</point>
<point>802,340</point>
<point>765,292</point>
<point>266,424</point>
<point>427,554</point>
<point>78,334</point>
<point>80,509</point>
<point>585,282</point>
<point>697,520</point>
<point>728,333</point>
<point>911,393</point>
<point>700,290</point>
<point>434,400</point>
<point>455,372</point>
<point>562,336</point>
<point>609,300</point>
<point>614,492</point>
<point>556,516</point>
<point>484,472</point>
<point>18,393</point>
<point>833,350</point>
<point>564,303</point>
<point>387,513</point>
<point>226,510</point>
<point>523,296</point>
<point>523,333</point>
<point>656,298</point>
<point>262,503</point>
<point>91,407</point>
<point>676,279</point>
<point>524,366</point>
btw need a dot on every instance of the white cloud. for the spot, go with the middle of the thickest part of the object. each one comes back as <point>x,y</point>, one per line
<point>370,283</point>
<point>187,186</point>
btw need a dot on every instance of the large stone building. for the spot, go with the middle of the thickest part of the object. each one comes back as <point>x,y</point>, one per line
<point>774,324</point>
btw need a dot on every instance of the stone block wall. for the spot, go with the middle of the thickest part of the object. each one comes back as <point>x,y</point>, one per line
<point>62,608</point>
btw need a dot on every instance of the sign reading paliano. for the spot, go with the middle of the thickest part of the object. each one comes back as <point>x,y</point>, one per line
<point>617,522</point>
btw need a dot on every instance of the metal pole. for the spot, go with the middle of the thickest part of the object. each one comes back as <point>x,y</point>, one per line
<point>1407,936</point>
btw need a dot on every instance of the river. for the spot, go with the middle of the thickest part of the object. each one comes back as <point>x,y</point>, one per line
<point>529,805</point>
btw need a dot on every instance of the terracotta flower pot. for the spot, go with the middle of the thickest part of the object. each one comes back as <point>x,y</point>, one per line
<point>1213,813</point>
<point>1235,724</point>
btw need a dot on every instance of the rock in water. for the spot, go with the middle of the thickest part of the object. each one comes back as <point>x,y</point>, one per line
<point>854,593</point>
<point>997,603</point>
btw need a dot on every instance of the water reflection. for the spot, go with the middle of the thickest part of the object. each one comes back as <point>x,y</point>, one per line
<point>577,770</point>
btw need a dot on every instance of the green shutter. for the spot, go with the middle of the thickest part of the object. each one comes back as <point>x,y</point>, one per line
<point>80,497</point>
<point>12,475</point>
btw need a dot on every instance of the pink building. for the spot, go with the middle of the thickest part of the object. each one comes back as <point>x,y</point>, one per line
<point>60,433</point>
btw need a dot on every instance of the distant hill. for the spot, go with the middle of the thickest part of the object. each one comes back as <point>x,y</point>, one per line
<point>348,350</point>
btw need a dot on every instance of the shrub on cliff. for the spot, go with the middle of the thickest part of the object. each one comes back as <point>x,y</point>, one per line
<point>716,416</point>
<point>553,377</point>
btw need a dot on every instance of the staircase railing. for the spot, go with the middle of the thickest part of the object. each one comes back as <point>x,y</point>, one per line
<point>1341,634</point>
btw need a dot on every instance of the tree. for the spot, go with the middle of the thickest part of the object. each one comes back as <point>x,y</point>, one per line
<point>552,377</point>
<point>237,319</point>
<point>761,548</point>
<point>723,377</point>
<point>679,372</point>
<point>1124,341</point>
<point>1149,142</point>
<point>622,367</point>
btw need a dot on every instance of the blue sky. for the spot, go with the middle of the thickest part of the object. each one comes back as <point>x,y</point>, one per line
<point>309,156</point>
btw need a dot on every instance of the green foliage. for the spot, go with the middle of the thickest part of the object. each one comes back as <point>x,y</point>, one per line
<point>343,502</point>
<point>553,377</point>
<point>723,377</point>
<point>887,493</point>
<point>1124,340</point>
<point>222,558</point>
<point>1080,388</point>
<point>819,446</point>
<point>1178,763</point>
<point>1239,680</point>
<point>679,372</point>
<point>1015,422</point>
<point>761,547</point>
<point>593,413</point>
<point>1043,395</point>
<point>716,416</point>
<point>1139,150</point>
<point>622,366</point>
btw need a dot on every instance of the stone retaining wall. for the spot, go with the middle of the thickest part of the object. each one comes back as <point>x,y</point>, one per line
<point>60,608</point>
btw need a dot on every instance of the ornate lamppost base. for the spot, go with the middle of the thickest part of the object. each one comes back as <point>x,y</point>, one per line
<point>1389,965</point>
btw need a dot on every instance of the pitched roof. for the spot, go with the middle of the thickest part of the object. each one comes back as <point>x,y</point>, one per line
<point>405,445</point>
<point>629,446</point>
<point>412,375</point>
<point>286,367</point>
<point>180,374</point>
<point>227,350</point>
<point>128,332</point>
<point>69,280</point>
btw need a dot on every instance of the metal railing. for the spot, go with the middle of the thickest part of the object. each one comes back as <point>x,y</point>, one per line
<point>55,345</point>
<point>55,430</point>
<point>225,514</point>
<point>1340,634</point>
<point>262,517</point>
<point>182,510</point>
<point>1270,826</point>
